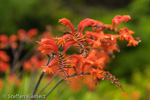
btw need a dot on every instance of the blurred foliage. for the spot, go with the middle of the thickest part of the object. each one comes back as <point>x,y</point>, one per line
<point>137,90</point>
<point>131,61</point>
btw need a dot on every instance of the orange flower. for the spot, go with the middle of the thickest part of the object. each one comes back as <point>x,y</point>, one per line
<point>80,63</point>
<point>3,41</point>
<point>95,49</point>
<point>95,35</point>
<point>22,34</point>
<point>4,56</point>
<point>50,66</point>
<point>47,69</point>
<point>35,62</point>
<point>97,74</point>
<point>67,23</point>
<point>13,38</point>
<point>27,66</point>
<point>119,19</point>
<point>100,63</point>
<point>4,67</point>
<point>132,41</point>
<point>32,64</point>
<point>135,95</point>
<point>3,38</point>
<point>66,44</point>
<point>13,41</point>
<point>84,23</point>
<point>32,32</point>
<point>63,39</point>
<point>48,45</point>
<point>77,38</point>
<point>126,34</point>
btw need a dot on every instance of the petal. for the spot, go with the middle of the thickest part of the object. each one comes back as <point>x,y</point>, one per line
<point>32,32</point>
<point>85,23</point>
<point>93,34</point>
<point>78,57</point>
<point>48,44</point>
<point>125,18</point>
<point>67,23</point>
<point>53,62</point>
<point>4,56</point>
<point>67,45</point>
<point>47,69</point>
<point>13,38</point>
<point>119,19</point>
<point>63,39</point>
<point>132,42</point>
<point>82,22</point>
<point>3,38</point>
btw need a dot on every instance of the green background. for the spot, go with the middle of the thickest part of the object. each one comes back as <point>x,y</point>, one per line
<point>131,65</point>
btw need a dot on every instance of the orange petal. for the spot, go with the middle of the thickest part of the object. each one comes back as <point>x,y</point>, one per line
<point>85,23</point>
<point>48,44</point>
<point>67,45</point>
<point>67,23</point>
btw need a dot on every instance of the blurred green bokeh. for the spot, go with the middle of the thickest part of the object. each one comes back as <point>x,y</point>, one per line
<point>129,65</point>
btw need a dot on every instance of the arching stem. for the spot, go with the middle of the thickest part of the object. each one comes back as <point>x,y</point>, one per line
<point>47,84</point>
<point>41,76</point>
<point>61,81</point>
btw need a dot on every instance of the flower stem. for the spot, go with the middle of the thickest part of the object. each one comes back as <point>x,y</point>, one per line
<point>63,80</point>
<point>16,54</point>
<point>42,74</point>
<point>36,87</point>
<point>19,63</point>
<point>47,83</point>
<point>53,88</point>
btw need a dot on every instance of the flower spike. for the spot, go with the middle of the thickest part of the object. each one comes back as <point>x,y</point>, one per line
<point>96,47</point>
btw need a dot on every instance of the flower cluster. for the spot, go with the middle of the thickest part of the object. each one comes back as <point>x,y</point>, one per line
<point>33,64</point>
<point>13,40</point>
<point>11,51</point>
<point>95,49</point>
